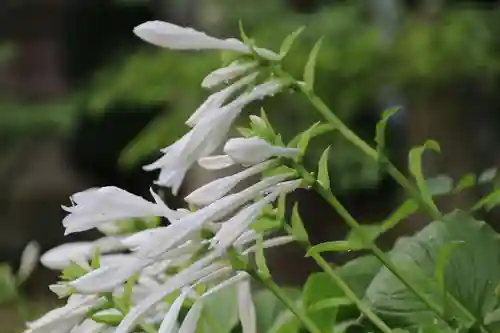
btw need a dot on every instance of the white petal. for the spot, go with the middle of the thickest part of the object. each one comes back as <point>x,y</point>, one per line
<point>29,260</point>
<point>107,278</point>
<point>246,308</point>
<point>89,326</point>
<point>61,256</point>
<point>170,319</point>
<point>216,162</point>
<point>218,188</point>
<point>187,276</point>
<point>273,242</point>
<point>229,282</point>
<point>190,322</point>
<point>225,74</point>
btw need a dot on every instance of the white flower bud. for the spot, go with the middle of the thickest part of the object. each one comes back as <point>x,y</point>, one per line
<point>249,151</point>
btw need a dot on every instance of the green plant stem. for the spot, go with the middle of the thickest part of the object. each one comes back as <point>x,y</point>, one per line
<point>330,116</point>
<point>278,292</point>
<point>349,293</point>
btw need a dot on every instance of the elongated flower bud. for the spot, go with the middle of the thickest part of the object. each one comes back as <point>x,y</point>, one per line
<point>249,151</point>
<point>228,73</point>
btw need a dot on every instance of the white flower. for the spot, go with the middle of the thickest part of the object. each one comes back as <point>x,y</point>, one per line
<point>215,101</point>
<point>108,277</point>
<point>225,74</point>
<point>182,38</point>
<point>246,308</point>
<point>273,242</point>
<point>218,188</point>
<point>194,272</point>
<point>238,224</point>
<point>97,206</point>
<point>65,318</point>
<point>216,162</point>
<point>61,256</point>
<point>249,151</point>
<point>170,319</point>
<point>29,260</point>
<point>89,326</point>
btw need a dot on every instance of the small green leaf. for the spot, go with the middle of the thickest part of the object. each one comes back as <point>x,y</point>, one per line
<point>333,246</point>
<point>266,223</point>
<point>236,260</point>
<point>127,292</point>
<point>298,229</point>
<point>323,177</point>
<point>415,166</point>
<point>288,41</point>
<point>315,130</point>
<point>408,207</point>
<point>334,302</point>
<point>95,263</point>
<point>243,34</point>
<point>489,202</point>
<point>487,176</point>
<point>305,137</point>
<point>310,67</point>
<point>465,182</point>
<point>264,117</point>
<point>260,260</point>
<point>111,319</point>
<point>381,126</point>
<point>73,271</point>
<point>439,185</point>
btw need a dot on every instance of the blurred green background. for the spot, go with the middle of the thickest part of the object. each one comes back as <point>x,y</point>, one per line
<point>83,102</point>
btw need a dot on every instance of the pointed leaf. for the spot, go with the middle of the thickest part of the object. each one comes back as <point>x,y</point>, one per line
<point>298,229</point>
<point>332,246</point>
<point>381,126</point>
<point>323,177</point>
<point>315,130</point>
<point>95,263</point>
<point>73,271</point>
<point>288,41</point>
<point>415,166</point>
<point>264,117</point>
<point>489,202</point>
<point>334,302</point>
<point>310,68</point>
<point>465,182</point>
<point>260,260</point>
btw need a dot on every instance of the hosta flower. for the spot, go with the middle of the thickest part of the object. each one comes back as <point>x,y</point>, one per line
<point>249,151</point>
<point>61,256</point>
<point>218,188</point>
<point>175,37</point>
<point>246,308</point>
<point>215,101</point>
<point>89,326</point>
<point>94,207</point>
<point>170,319</point>
<point>225,74</point>
<point>65,318</point>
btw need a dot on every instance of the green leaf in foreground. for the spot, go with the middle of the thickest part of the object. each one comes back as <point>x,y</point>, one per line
<point>469,274</point>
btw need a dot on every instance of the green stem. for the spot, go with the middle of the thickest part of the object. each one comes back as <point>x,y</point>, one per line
<point>278,292</point>
<point>330,116</point>
<point>349,293</point>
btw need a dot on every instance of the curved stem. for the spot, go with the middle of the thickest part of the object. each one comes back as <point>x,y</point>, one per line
<point>278,292</point>
<point>349,293</point>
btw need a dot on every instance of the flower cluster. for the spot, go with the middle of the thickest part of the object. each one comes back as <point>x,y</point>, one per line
<point>140,278</point>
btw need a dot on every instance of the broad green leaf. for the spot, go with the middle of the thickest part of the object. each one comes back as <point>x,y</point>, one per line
<point>470,274</point>
<point>441,263</point>
<point>408,207</point>
<point>380,129</point>
<point>260,260</point>
<point>220,311</point>
<point>288,41</point>
<point>439,185</point>
<point>323,177</point>
<point>487,176</point>
<point>465,182</point>
<point>488,202</point>
<point>415,166</point>
<point>315,130</point>
<point>298,229</point>
<point>310,68</point>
